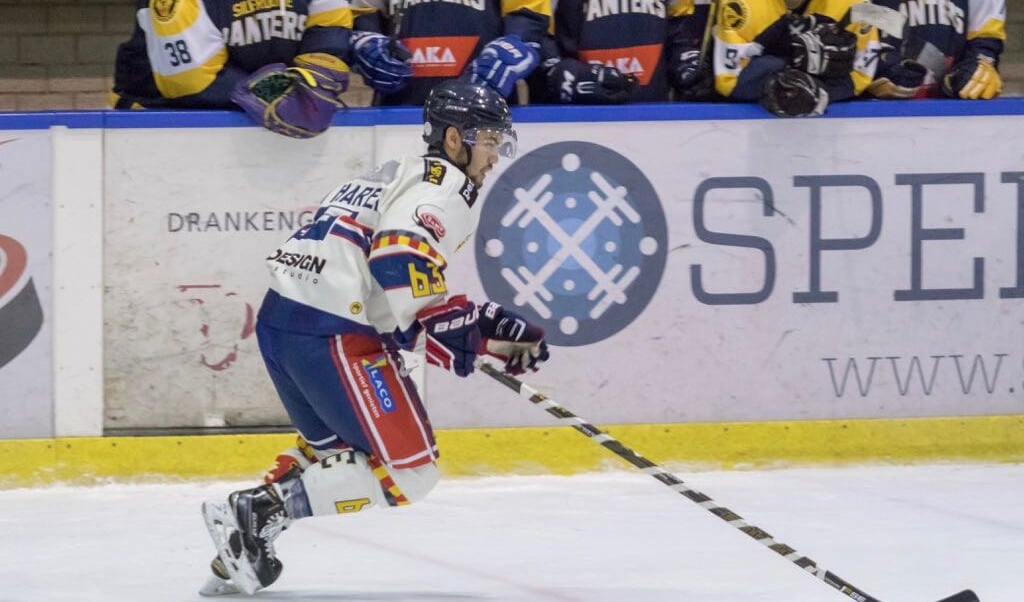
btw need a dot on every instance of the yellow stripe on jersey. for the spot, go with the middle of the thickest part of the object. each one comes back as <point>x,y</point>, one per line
<point>833,9</point>
<point>993,28</point>
<point>331,13</point>
<point>410,241</point>
<point>186,51</point>
<point>737,24</point>
<point>541,7</point>
<point>986,19</point>
<point>865,61</point>
<point>171,17</point>
<point>192,81</point>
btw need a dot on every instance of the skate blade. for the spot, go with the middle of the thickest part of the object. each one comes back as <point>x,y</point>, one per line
<point>221,523</point>
<point>215,586</point>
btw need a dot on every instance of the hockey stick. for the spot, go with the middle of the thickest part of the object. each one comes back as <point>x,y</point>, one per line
<point>693,495</point>
<point>708,32</point>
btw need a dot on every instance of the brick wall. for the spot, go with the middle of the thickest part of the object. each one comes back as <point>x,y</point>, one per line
<point>59,54</point>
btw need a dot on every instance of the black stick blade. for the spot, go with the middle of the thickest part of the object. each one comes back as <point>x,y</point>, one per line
<point>964,596</point>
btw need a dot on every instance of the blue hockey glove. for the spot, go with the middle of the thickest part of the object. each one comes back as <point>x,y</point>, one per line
<point>503,62</point>
<point>382,61</point>
<point>510,338</point>
<point>453,335</point>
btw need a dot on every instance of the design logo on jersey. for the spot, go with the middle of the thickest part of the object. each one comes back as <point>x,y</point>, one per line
<point>734,15</point>
<point>430,222</point>
<point>21,313</point>
<point>434,171</point>
<point>640,61</point>
<point>164,9</point>
<point>440,56</point>
<point>380,387</point>
<point>573,234</point>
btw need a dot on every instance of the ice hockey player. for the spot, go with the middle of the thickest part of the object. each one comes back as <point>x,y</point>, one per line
<point>795,63</point>
<point>497,42</point>
<point>364,279</point>
<point>948,48</point>
<point>286,63</point>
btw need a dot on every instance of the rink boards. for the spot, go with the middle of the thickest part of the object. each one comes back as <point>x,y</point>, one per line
<point>538,450</point>
<point>724,287</point>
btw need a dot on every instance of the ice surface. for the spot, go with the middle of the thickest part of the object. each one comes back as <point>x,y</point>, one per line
<point>901,533</point>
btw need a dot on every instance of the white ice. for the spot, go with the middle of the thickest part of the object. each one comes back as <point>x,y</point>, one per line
<point>901,533</point>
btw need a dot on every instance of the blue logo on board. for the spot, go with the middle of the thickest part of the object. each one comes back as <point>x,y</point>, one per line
<point>574,236</point>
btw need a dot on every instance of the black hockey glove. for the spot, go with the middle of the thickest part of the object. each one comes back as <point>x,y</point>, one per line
<point>824,50</point>
<point>573,81</point>
<point>793,93</point>
<point>691,80</point>
<point>510,338</point>
<point>972,78</point>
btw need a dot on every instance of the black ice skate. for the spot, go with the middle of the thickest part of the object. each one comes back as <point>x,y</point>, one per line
<point>219,583</point>
<point>244,530</point>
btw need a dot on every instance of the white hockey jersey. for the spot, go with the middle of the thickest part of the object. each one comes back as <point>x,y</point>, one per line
<point>375,253</point>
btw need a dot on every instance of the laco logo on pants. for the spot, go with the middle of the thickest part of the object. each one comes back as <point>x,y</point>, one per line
<point>380,387</point>
<point>21,315</point>
<point>574,236</point>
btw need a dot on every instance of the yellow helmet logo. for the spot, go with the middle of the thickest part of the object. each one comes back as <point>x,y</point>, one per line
<point>163,9</point>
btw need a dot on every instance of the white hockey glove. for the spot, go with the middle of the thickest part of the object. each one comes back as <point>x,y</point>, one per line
<point>510,338</point>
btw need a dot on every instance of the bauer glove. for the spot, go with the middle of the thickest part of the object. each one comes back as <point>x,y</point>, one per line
<point>453,335</point>
<point>510,338</point>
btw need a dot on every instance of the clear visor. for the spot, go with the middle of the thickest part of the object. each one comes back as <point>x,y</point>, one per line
<point>502,142</point>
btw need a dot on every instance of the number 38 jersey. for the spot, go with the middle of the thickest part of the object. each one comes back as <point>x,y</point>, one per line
<point>197,50</point>
<point>375,253</point>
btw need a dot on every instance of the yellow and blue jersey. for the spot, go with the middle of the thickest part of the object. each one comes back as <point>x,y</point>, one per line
<point>193,52</point>
<point>940,33</point>
<point>752,41</point>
